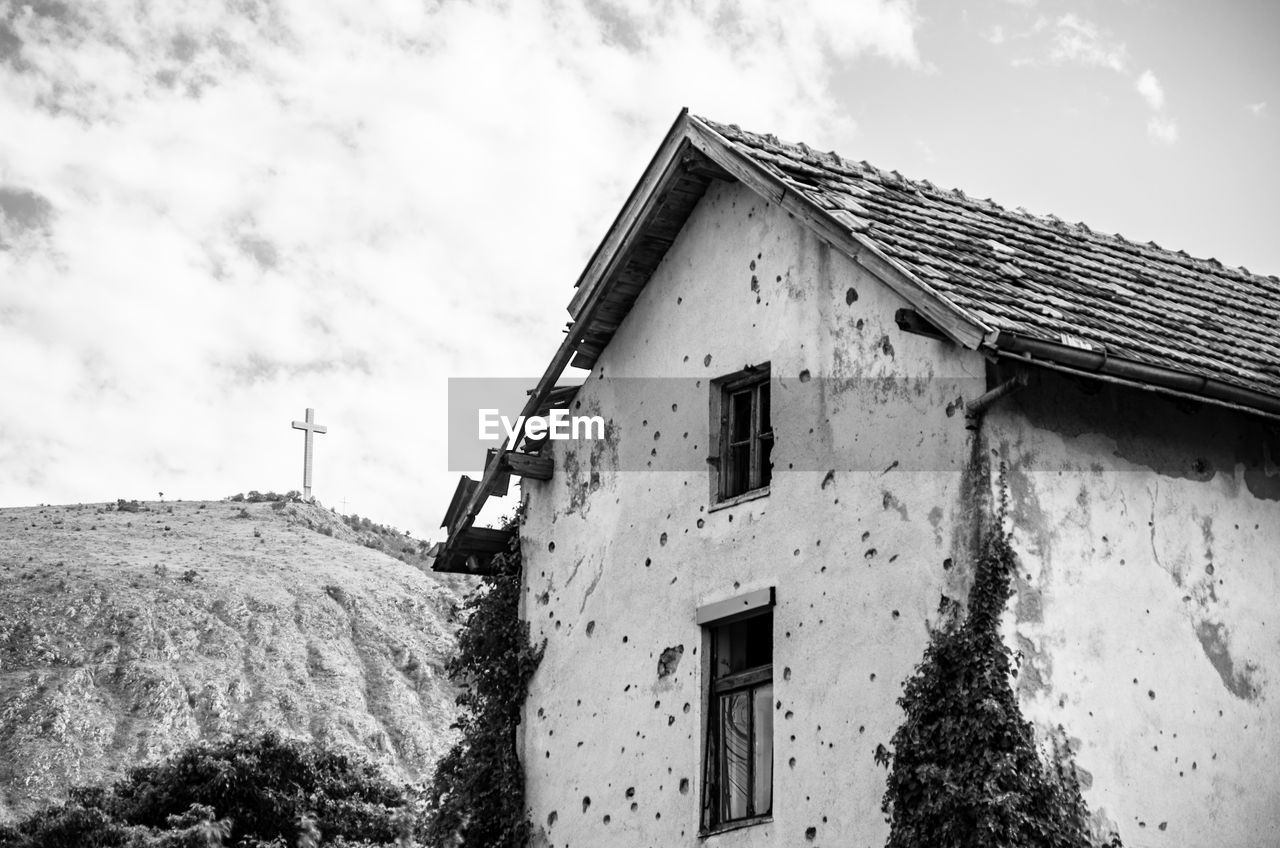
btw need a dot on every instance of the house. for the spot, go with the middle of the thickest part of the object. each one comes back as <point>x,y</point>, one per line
<point>820,380</point>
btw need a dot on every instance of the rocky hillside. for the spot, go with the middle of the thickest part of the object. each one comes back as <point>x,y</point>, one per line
<point>127,632</point>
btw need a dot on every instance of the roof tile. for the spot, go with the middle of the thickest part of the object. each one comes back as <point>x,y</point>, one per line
<point>1043,277</point>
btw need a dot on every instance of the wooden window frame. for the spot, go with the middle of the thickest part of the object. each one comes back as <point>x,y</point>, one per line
<point>755,604</point>
<point>725,489</point>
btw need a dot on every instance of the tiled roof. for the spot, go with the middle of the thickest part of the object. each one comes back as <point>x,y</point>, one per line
<point>1043,278</point>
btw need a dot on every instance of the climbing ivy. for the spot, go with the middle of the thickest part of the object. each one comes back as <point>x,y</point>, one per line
<point>477,795</point>
<point>965,769</point>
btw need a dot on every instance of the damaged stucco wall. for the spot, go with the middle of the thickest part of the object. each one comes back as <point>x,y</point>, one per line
<point>868,465</point>
<point>1148,534</point>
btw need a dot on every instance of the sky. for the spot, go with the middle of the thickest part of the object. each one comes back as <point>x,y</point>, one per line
<point>217,213</point>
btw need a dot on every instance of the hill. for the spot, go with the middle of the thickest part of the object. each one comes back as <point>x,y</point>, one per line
<point>128,631</point>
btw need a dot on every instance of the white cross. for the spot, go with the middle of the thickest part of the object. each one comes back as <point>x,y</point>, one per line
<point>309,426</point>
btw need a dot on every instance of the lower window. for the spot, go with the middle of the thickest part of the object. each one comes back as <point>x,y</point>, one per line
<point>738,784</point>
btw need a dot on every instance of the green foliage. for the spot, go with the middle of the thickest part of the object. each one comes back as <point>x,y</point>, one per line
<point>387,539</point>
<point>476,799</point>
<point>244,793</point>
<point>966,771</point>
<point>123,505</point>
<point>254,496</point>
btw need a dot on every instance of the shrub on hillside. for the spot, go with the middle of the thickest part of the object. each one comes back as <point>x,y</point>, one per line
<point>249,792</point>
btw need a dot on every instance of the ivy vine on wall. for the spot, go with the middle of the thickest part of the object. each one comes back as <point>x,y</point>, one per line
<point>965,770</point>
<point>476,799</point>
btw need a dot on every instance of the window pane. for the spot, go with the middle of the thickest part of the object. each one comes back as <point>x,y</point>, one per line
<point>739,469</point>
<point>762,749</point>
<point>735,761</point>
<point>743,644</point>
<point>765,424</point>
<point>764,447</point>
<point>740,416</point>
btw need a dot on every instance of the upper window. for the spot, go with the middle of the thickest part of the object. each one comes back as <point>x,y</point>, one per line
<point>740,407</point>
<point>738,784</point>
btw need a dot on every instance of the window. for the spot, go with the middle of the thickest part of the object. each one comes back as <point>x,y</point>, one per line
<point>738,779</point>
<point>741,419</point>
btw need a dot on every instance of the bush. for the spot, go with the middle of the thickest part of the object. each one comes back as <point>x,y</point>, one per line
<point>476,799</point>
<point>966,771</point>
<point>249,792</point>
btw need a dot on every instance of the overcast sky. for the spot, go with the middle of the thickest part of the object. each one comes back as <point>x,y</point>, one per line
<point>214,214</point>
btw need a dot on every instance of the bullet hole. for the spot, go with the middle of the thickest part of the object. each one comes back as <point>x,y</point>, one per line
<point>662,540</point>
<point>850,296</point>
<point>804,376</point>
<point>1151,693</point>
<point>551,547</point>
<point>1164,825</point>
<point>755,283</point>
<point>796,552</point>
<point>753,265</point>
<point>624,640</point>
<point>701,524</point>
<point>862,728</point>
<point>706,360</point>
<point>669,661</point>
<point>788,714</point>
<point>657,434</point>
<point>791,762</point>
<point>873,677</point>
<point>946,564</point>
<point>895,613</point>
<point>586,802</point>
<point>686,707</point>
<point>671,720</point>
<point>551,818</point>
<point>829,478</point>
<point>631,792</point>
<point>810,833</point>
<point>606,818</point>
<point>684,786</point>
<point>544,599</point>
<point>866,534</point>
<point>786,673</point>
<point>870,554</point>
<point>1208,569</point>
<point>647,562</point>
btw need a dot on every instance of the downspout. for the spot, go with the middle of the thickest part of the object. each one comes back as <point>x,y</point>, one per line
<point>976,408</point>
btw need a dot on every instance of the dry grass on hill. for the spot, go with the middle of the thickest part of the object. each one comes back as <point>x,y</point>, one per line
<point>126,635</point>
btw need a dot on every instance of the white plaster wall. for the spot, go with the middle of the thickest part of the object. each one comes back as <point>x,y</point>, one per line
<point>857,562</point>
<point>1149,538</point>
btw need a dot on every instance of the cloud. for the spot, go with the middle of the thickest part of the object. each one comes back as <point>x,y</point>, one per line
<point>1081,42</point>
<point>1162,129</point>
<point>225,212</point>
<point>1149,87</point>
<point>1257,109</point>
<point>1076,41</point>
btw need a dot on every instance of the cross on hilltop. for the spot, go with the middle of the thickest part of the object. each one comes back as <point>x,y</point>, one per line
<point>310,427</point>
